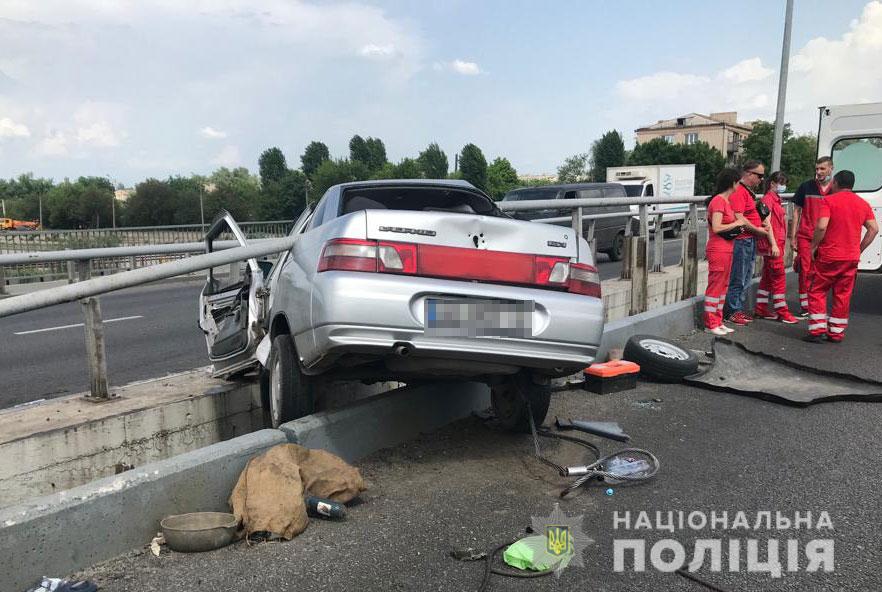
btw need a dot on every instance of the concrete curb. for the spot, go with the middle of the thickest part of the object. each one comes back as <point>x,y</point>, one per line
<point>388,419</point>
<point>60,533</point>
<point>668,321</point>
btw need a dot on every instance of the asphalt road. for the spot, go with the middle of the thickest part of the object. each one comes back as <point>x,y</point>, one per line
<point>469,485</point>
<point>672,253</point>
<point>43,352</point>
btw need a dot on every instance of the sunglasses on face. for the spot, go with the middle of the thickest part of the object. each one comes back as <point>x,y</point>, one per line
<point>760,175</point>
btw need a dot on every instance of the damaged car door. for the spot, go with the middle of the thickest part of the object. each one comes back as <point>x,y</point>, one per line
<point>232,304</point>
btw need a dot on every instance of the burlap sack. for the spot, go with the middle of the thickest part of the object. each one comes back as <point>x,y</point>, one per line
<point>269,494</point>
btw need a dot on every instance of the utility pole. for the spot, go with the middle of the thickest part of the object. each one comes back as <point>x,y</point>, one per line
<point>40,198</point>
<point>201,208</point>
<point>3,201</point>
<point>782,89</point>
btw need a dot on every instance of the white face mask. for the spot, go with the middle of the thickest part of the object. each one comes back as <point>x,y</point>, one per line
<point>781,188</point>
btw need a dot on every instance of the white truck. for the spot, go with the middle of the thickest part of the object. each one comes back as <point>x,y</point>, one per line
<point>666,180</point>
<point>852,136</point>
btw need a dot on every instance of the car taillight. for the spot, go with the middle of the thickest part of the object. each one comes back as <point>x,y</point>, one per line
<point>347,254</point>
<point>584,279</point>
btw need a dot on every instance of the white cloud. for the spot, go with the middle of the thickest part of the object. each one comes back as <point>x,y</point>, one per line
<point>53,143</point>
<point>228,157</point>
<point>212,134</point>
<point>11,129</point>
<point>372,50</point>
<point>465,68</point>
<point>661,84</point>
<point>746,71</point>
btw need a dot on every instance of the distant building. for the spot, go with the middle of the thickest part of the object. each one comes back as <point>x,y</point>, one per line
<point>123,194</point>
<point>720,130</point>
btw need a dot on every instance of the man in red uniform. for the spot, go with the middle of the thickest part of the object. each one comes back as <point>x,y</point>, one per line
<point>837,246</point>
<point>807,200</point>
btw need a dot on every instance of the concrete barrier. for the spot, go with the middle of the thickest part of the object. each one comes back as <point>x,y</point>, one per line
<point>387,419</point>
<point>63,532</point>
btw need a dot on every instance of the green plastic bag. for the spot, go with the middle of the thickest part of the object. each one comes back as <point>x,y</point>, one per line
<point>531,553</point>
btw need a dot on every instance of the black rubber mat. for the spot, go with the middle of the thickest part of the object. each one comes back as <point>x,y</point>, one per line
<point>739,370</point>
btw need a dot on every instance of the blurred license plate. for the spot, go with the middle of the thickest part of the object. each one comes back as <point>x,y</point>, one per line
<point>472,317</point>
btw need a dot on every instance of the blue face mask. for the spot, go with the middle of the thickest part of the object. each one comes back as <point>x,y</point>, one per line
<point>781,188</point>
<point>828,178</point>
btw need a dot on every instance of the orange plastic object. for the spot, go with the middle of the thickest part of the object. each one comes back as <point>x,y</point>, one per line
<point>612,368</point>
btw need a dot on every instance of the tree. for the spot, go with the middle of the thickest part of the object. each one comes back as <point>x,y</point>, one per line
<point>501,178</point>
<point>358,150</point>
<point>286,201</point>
<point>708,161</point>
<point>85,203</point>
<point>272,166</point>
<point>608,151</point>
<point>153,204</point>
<point>574,169</point>
<point>315,154</point>
<point>408,168</point>
<point>797,152</point>
<point>473,166</point>
<point>23,195</point>
<point>235,190</point>
<point>433,161</point>
<point>376,153</point>
<point>333,172</point>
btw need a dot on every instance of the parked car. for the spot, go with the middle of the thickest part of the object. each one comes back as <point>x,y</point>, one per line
<point>408,281</point>
<point>609,233</point>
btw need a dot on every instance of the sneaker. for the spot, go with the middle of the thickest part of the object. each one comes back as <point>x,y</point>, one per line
<point>762,313</point>
<point>727,329</point>
<point>803,314</point>
<point>832,339</point>
<point>721,331</point>
<point>748,317</point>
<point>813,338</point>
<point>738,318</point>
<point>786,317</point>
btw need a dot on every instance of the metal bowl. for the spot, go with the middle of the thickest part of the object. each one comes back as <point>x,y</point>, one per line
<point>199,531</point>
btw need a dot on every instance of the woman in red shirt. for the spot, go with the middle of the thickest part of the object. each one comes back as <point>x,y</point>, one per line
<point>773,284</point>
<point>722,229</point>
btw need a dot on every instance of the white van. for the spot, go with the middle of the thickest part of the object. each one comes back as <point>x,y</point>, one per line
<point>852,135</point>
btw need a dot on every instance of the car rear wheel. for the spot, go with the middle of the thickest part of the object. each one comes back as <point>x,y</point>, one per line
<point>674,230</point>
<point>660,358</point>
<point>288,393</point>
<point>509,400</point>
<point>617,250</point>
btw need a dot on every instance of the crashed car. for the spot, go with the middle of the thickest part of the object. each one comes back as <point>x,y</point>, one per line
<point>408,280</point>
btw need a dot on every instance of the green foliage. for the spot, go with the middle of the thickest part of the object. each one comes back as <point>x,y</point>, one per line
<point>408,168</point>
<point>235,190</point>
<point>358,150</point>
<point>85,203</point>
<point>22,196</point>
<point>608,151</point>
<point>473,166</point>
<point>315,154</point>
<point>574,169</point>
<point>797,152</point>
<point>369,151</point>
<point>433,161</point>
<point>333,172</point>
<point>153,204</point>
<point>708,161</point>
<point>501,178</point>
<point>272,166</point>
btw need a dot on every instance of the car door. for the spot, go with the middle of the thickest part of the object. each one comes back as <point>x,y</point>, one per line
<point>232,304</point>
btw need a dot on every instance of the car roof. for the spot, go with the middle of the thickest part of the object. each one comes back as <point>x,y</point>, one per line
<point>451,183</point>
<point>566,186</point>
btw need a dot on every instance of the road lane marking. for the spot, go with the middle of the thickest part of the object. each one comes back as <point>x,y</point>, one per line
<point>60,327</point>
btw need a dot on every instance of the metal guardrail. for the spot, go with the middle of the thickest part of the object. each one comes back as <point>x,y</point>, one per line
<point>636,265</point>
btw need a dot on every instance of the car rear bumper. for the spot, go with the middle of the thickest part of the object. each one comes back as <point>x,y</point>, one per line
<point>371,313</point>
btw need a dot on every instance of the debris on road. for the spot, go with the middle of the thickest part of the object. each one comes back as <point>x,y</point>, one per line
<point>269,495</point>
<point>59,585</point>
<point>611,377</point>
<point>156,544</point>
<point>324,508</point>
<point>198,531</point>
<point>661,359</point>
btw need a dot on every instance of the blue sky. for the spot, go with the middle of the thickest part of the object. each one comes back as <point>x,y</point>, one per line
<point>133,89</point>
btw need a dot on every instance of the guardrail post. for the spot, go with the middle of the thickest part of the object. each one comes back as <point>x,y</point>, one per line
<point>690,254</point>
<point>658,243</point>
<point>638,261</point>
<point>577,221</point>
<point>95,352</point>
<point>3,280</point>
<point>71,271</point>
<point>592,243</point>
<point>626,250</point>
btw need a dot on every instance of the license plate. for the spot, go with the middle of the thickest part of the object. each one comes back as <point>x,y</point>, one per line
<point>472,317</point>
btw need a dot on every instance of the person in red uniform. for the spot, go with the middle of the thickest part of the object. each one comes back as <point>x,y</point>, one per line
<point>722,228</point>
<point>773,285</point>
<point>744,253</point>
<point>836,247</point>
<point>807,200</point>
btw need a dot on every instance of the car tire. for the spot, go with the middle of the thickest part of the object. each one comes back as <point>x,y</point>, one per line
<point>617,250</point>
<point>674,230</point>
<point>509,400</point>
<point>660,359</point>
<point>289,393</point>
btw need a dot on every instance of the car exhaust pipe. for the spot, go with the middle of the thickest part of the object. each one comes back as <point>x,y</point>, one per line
<point>402,350</point>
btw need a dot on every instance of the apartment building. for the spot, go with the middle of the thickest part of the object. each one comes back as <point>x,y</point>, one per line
<point>720,130</point>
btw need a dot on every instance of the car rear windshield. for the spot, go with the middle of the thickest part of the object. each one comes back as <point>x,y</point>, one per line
<point>530,194</point>
<point>420,199</point>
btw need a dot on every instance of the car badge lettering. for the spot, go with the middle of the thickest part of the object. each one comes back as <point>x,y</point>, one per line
<point>557,244</point>
<point>401,230</point>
